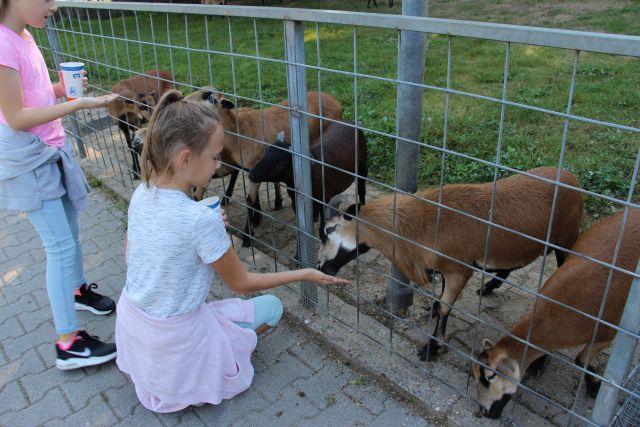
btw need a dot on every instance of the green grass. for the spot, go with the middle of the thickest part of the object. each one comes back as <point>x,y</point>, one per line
<point>607,87</point>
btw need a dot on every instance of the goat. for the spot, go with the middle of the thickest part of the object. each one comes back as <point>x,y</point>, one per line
<point>343,149</point>
<point>248,131</point>
<point>138,95</point>
<point>522,204</point>
<point>580,284</point>
<point>228,167</point>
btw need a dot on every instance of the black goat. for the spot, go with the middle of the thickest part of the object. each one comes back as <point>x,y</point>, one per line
<point>342,148</point>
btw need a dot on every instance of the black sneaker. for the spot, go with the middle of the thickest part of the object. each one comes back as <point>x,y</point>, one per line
<point>86,350</point>
<point>94,302</point>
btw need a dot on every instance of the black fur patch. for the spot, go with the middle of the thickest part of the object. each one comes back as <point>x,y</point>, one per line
<point>342,257</point>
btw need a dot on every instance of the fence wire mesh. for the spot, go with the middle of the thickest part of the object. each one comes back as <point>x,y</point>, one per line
<point>483,120</point>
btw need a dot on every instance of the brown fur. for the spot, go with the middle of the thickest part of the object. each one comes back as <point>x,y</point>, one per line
<point>580,284</point>
<point>247,130</point>
<point>138,96</point>
<point>255,125</point>
<point>522,204</point>
<point>142,89</point>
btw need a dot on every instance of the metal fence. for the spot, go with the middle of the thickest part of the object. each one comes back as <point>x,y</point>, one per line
<point>260,56</point>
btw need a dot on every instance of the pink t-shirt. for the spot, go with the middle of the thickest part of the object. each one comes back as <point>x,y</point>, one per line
<point>37,91</point>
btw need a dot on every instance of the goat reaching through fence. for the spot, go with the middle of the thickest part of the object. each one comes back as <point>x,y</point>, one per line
<point>580,284</point>
<point>522,204</point>
<point>138,96</point>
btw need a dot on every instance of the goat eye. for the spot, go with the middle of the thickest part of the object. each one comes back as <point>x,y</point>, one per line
<point>492,377</point>
<point>128,101</point>
<point>330,230</point>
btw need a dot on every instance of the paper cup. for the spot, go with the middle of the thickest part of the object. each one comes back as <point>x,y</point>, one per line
<point>72,77</point>
<point>212,202</point>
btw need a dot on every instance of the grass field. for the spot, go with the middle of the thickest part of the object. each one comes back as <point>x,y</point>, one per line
<point>607,87</point>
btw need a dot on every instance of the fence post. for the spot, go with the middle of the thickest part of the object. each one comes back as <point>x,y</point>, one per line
<point>55,48</point>
<point>297,89</point>
<point>622,353</point>
<point>408,125</point>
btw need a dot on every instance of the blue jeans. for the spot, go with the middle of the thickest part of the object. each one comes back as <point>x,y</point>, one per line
<point>57,224</point>
<point>267,309</point>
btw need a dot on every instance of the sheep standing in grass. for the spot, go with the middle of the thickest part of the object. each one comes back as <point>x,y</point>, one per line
<point>522,204</point>
<point>138,96</point>
<point>342,148</point>
<point>579,284</point>
<point>249,131</point>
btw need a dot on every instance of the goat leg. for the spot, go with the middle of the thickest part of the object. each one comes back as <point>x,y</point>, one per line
<point>592,383</point>
<point>127,130</point>
<point>230,186</point>
<point>248,233</point>
<point>278,191</point>
<point>453,284</point>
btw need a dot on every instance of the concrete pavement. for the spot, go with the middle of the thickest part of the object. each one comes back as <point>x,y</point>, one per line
<point>297,382</point>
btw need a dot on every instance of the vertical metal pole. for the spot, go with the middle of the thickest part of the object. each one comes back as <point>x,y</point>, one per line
<point>55,49</point>
<point>408,125</point>
<point>622,353</point>
<point>297,88</point>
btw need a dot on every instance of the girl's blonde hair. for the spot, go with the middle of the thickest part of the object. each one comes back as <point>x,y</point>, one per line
<point>174,124</point>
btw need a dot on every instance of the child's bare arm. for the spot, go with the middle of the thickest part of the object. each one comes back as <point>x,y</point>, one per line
<point>230,269</point>
<point>22,118</point>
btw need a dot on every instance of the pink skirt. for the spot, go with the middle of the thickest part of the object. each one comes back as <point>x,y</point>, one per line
<point>198,357</point>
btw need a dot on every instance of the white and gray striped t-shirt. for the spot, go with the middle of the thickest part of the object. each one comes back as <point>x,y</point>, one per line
<point>171,242</point>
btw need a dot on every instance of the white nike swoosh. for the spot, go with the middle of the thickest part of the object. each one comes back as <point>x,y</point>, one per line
<point>85,353</point>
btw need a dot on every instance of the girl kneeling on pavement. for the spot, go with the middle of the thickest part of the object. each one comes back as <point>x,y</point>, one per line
<point>178,349</point>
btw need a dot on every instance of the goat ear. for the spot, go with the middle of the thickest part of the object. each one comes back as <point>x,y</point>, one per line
<point>486,344</point>
<point>280,137</point>
<point>227,104</point>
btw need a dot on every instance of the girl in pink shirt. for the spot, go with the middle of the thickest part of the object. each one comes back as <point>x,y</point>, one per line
<point>33,152</point>
<point>178,349</point>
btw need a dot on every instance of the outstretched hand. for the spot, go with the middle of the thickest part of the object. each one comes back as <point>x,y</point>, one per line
<point>97,101</point>
<point>313,275</point>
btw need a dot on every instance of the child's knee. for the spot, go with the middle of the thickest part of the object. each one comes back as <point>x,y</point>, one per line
<point>270,308</point>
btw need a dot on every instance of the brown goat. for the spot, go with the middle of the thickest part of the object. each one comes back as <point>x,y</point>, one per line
<point>579,284</point>
<point>138,96</point>
<point>522,203</point>
<point>249,131</point>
